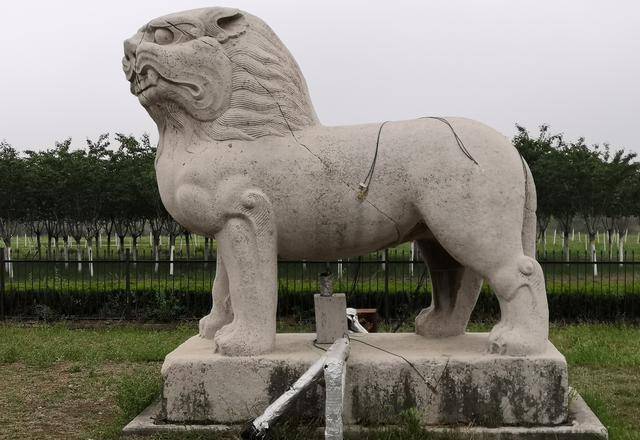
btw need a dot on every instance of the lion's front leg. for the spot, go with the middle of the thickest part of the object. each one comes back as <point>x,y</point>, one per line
<point>221,313</point>
<point>248,244</point>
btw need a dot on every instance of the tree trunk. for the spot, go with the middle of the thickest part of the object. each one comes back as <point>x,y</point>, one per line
<point>65,252</point>
<point>121,246</point>
<point>134,249</point>
<point>39,245</point>
<point>187,241</point>
<point>565,246</point>
<point>109,244</point>
<point>621,250</point>
<point>156,250</point>
<point>609,240</point>
<point>206,253</point>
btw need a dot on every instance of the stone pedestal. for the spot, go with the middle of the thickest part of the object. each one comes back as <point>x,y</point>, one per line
<point>331,317</point>
<point>451,381</point>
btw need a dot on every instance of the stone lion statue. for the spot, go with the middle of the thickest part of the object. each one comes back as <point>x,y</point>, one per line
<point>242,157</point>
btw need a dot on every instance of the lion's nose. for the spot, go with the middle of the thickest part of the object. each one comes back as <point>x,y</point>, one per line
<point>129,60</point>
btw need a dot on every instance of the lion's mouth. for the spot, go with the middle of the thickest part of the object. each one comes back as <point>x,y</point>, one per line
<point>144,80</point>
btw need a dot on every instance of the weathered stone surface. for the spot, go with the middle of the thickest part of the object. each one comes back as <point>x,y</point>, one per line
<point>242,157</point>
<point>466,385</point>
<point>582,425</point>
<point>331,317</point>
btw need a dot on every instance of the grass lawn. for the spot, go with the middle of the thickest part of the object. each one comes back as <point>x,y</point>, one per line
<point>64,383</point>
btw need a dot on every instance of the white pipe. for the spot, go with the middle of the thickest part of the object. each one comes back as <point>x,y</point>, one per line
<point>335,373</point>
<point>333,364</point>
<point>353,323</point>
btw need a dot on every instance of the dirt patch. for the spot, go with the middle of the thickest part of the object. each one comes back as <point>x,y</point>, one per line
<point>65,401</point>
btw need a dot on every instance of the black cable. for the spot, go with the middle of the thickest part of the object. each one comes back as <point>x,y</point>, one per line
<point>431,387</point>
<point>364,186</point>
<point>458,140</point>
<point>315,344</point>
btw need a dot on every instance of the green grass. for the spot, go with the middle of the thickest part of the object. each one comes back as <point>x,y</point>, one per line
<point>64,383</point>
<point>43,346</point>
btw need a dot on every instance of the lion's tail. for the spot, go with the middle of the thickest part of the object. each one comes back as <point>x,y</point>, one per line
<point>529,219</point>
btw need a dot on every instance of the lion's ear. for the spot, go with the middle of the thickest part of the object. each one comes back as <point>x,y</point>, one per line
<point>225,23</point>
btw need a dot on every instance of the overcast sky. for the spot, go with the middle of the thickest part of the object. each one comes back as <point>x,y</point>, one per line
<point>572,64</point>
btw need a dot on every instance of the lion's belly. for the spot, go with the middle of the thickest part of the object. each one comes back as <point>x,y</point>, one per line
<point>333,230</point>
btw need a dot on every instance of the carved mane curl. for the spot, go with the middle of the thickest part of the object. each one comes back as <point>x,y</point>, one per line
<point>266,83</point>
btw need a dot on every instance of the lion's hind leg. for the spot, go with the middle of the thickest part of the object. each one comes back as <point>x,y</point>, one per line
<point>455,292</point>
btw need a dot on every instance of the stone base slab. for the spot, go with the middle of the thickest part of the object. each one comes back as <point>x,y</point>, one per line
<point>450,381</point>
<point>582,425</point>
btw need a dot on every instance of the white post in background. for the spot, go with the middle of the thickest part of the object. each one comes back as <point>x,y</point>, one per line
<point>384,262</point>
<point>171,251</point>
<point>621,250</point>
<point>594,258</point>
<point>339,269</point>
<point>573,234</point>
<point>554,237</point>
<point>413,256</point>
<point>579,239</point>
<point>90,256</point>
<point>9,264</point>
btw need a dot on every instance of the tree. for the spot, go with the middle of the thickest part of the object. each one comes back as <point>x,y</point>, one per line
<point>540,153</point>
<point>618,185</point>
<point>12,204</point>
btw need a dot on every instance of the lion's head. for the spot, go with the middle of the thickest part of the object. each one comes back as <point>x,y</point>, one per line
<point>222,67</point>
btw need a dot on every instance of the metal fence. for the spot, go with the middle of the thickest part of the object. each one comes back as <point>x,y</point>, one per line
<point>397,287</point>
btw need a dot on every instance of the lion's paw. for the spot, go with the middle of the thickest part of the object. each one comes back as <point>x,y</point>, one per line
<point>209,326</point>
<point>513,341</point>
<point>238,340</point>
<point>437,324</point>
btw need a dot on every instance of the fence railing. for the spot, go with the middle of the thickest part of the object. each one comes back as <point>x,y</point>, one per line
<point>198,252</point>
<point>167,289</point>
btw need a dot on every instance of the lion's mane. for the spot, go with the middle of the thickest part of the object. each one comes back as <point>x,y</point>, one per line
<point>266,84</point>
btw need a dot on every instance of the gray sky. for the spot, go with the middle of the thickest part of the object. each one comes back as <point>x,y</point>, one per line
<point>572,64</point>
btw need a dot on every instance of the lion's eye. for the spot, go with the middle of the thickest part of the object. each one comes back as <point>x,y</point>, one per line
<point>163,36</point>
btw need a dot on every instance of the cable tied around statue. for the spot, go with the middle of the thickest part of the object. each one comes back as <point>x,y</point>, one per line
<point>366,182</point>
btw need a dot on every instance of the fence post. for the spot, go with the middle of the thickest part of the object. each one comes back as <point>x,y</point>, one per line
<point>2,313</point>
<point>386,284</point>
